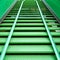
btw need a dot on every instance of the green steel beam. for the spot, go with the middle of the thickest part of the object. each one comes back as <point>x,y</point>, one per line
<point>30,57</point>
<point>28,28</point>
<point>11,21</point>
<point>29,24</point>
<point>30,34</point>
<point>29,40</point>
<point>20,49</point>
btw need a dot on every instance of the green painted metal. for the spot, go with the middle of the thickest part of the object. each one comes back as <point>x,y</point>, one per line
<point>10,34</point>
<point>29,40</point>
<point>54,6</point>
<point>36,21</point>
<point>30,24</point>
<point>28,28</point>
<point>30,49</point>
<point>49,33</point>
<point>30,57</point>
<point>5,6</point>
<point>30,34</point>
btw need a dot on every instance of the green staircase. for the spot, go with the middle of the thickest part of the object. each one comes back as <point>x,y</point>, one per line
<point>30,40</point>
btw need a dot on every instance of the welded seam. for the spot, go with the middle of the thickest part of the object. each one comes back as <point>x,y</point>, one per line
<point>11,33</point>
<point>49,33</point>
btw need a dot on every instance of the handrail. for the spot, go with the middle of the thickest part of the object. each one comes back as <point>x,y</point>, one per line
<point>49,33</point>
<point>11,33</point>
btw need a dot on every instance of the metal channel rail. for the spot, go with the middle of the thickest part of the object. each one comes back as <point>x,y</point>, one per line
<point>29,32</point>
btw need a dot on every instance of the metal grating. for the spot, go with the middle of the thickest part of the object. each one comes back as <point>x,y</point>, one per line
<point>30,40</point>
